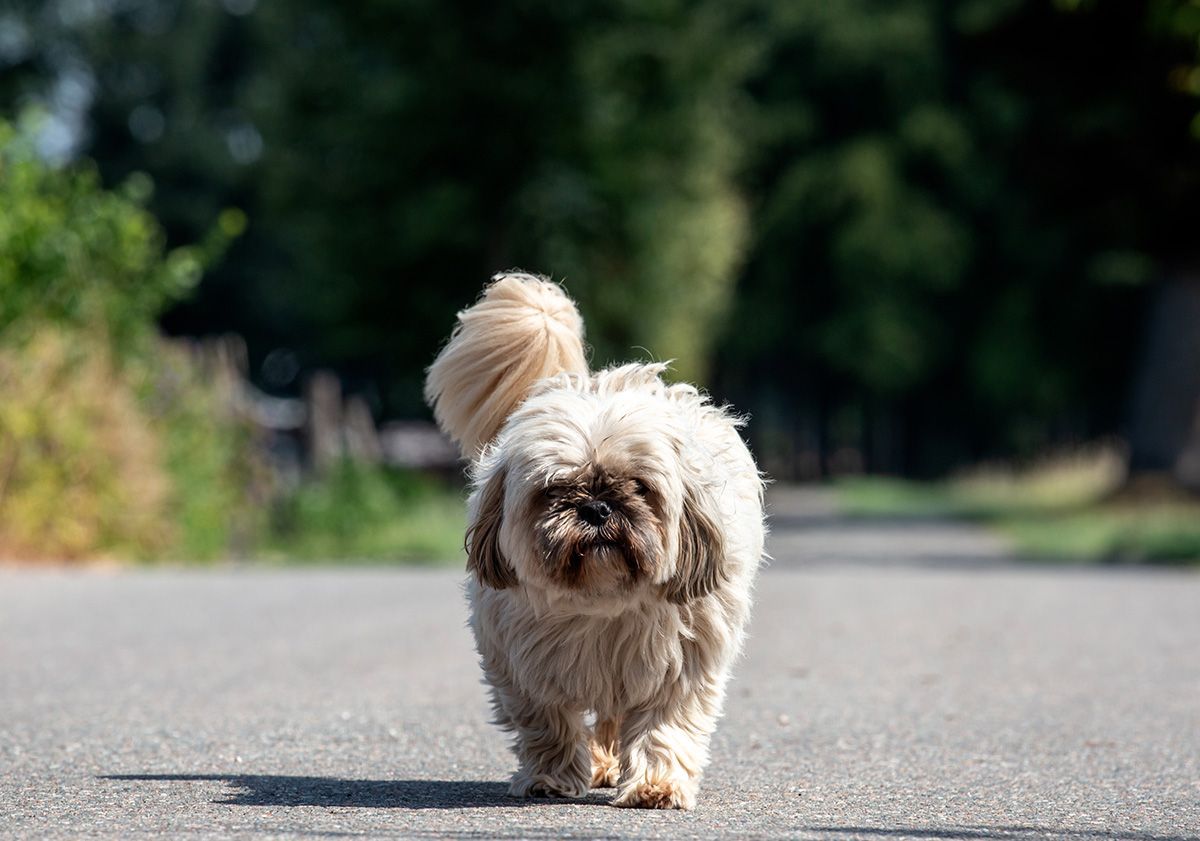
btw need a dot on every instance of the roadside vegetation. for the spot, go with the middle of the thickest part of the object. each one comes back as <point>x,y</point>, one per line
<point>111,441</point>
<point>1073,507</point>
<point>367,514</point>
<point>117,443</point>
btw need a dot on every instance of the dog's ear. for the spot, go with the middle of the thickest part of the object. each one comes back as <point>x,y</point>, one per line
<point>700,565</point>
<point>483,537</point>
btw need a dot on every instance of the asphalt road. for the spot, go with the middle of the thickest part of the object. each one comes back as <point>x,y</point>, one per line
<point>902,681</point>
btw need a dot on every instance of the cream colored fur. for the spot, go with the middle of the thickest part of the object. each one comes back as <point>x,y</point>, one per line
<point>521,330</point>
<point>647,652</point>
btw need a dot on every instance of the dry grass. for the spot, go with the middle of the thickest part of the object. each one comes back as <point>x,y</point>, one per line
<point>1062,481</point>
<point>134,459</point>
<point>81,469</point>
<point>1072,506</point>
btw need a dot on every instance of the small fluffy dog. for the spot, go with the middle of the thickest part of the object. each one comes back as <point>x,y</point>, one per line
<point>615,530</point>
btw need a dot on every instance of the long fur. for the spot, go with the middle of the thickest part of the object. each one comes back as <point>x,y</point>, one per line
<point>635,619</point>
<point>523,329</point>
<point>483,537</point>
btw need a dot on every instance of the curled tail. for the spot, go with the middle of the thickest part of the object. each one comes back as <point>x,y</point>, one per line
<point>523,328</point>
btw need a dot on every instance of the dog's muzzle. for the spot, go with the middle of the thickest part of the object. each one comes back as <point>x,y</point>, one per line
<point>595,512</point>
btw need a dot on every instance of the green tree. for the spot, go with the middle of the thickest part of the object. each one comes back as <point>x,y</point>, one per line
<point>440,143</point>
<point>957,214</point>
<point>637,202</point>
<point>75,255</point>
<point>391,156</point>
<point>920,230</point>
<point>1180,19</point>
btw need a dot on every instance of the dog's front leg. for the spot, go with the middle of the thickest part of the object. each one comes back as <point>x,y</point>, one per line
<point>664,750</point>
<point>552,747</point>
<point>606,768</point>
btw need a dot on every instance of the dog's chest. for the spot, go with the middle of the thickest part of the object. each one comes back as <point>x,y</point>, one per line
<point>602,664</point>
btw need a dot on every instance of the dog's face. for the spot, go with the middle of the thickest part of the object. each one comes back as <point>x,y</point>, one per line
<point>592,494</point>
<point>595,528</point>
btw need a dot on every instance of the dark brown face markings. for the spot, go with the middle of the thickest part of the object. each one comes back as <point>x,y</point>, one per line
<point>596,526</point>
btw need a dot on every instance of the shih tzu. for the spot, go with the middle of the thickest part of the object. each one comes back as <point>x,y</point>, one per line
<point>615,530</point>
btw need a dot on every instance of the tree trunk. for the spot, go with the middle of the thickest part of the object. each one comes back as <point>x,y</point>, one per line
<point>324,428</point>
<point>1164,433</point>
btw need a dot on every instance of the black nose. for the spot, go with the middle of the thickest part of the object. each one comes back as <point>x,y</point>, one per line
<point>595,511</point>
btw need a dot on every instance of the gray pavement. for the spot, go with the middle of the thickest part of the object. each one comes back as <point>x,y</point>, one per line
<point>902,681</point>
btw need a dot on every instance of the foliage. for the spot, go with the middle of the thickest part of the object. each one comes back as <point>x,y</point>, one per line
<point>637,203</point>
<point>111,441</point>
<point>1141,533</point>
<point>1060,508</point>
<point>358,513</point>
<point>439,142</point>
<point>75,255</point>
<point>220,483</point>
<point>606,155</point>
<point>81,471</point>
<point>1065,481</point>
<point>141,459</point>
<point>955,233</point>
<point>1181,19</point>
<point>911,233</point>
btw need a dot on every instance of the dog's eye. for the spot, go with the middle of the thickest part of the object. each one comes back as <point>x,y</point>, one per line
<point>555,492</point>
<point>639,487</point>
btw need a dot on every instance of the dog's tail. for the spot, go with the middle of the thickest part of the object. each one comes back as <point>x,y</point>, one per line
<point>523,328</point>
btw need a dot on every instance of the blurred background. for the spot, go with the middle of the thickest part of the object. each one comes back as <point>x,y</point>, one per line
<point>944,254</point>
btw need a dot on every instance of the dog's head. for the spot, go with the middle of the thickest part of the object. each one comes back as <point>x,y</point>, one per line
<point>592,489</point>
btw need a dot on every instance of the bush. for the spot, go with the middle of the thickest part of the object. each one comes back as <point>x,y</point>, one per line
<point>81,468</point>
<point>75,255</point>
<point>115,442</point>
<point>218,474</point>
<point>368,513</point>
<point>112,441</point>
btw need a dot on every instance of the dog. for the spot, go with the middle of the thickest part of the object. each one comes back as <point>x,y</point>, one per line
<point>615,531</point>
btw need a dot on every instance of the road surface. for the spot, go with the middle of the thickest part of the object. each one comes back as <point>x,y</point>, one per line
<point>902,681</point>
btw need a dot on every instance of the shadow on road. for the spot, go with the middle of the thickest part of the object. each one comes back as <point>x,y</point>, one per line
<point>273,790</point>
<point>998,833</point>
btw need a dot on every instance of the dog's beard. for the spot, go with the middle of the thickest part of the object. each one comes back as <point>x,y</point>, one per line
<point>613,556</point>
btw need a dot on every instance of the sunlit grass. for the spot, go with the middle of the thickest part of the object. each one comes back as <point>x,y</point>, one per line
<point>1063,508</point>
<point>360,514</point>
<point>1146,532</point>
<point>1060,483</point>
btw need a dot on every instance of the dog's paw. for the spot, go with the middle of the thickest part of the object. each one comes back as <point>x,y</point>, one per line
<point>657,794</point>
<point>606,769</point>
<point>605,773</point>
<point>541,785</point>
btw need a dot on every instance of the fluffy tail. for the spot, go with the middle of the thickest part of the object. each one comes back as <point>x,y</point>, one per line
<point>523,328</point>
